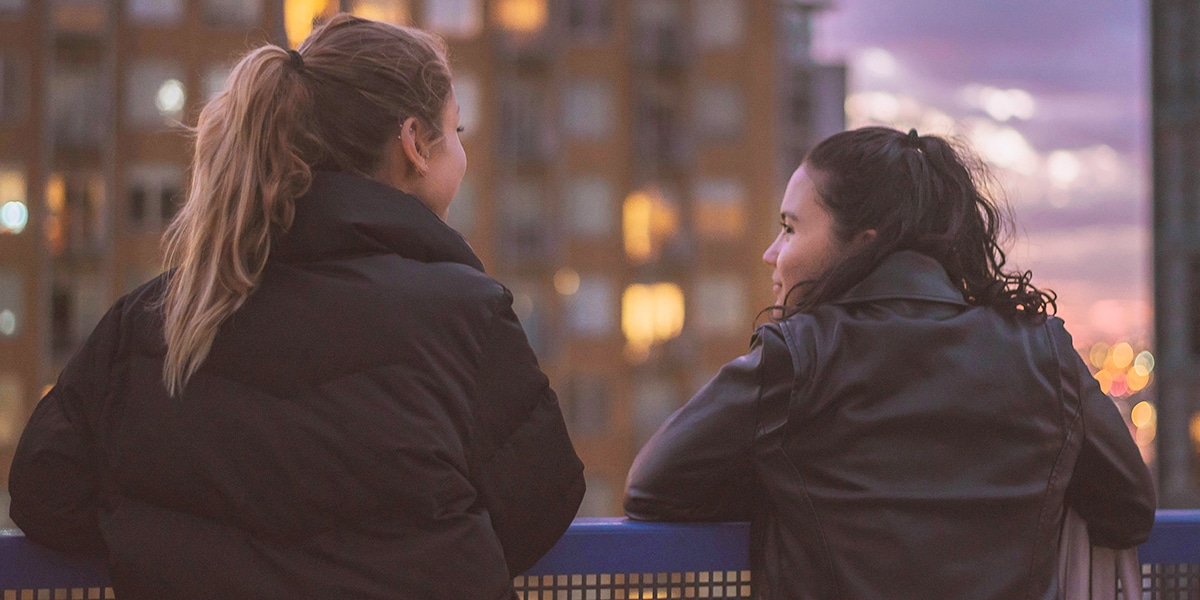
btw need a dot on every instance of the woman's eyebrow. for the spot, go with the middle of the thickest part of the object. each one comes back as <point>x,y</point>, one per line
<point>787,216</point>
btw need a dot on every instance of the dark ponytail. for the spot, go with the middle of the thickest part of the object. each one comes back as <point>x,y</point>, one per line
<point>919,193</point>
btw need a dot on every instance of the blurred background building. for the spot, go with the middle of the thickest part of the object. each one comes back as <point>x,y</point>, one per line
<point>626,162</point>
<point>1176,151</point>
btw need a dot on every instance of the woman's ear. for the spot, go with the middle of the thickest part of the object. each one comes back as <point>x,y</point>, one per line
<point>414,141</point>
<point>864,238</point>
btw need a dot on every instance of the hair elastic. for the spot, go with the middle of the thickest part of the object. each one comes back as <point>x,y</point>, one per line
<point>914,138</point>
<point>297,60</point>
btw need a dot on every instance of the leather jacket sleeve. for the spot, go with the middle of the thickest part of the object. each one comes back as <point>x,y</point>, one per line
<point>1110,487</point>
<point>699,466</point>
<point>525,468</point>
<point>54,481</point>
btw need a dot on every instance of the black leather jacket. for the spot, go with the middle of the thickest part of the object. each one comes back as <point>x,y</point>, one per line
<point>900,443</point>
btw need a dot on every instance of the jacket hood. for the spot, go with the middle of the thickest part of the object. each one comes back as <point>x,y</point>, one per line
<point>905,275</point>
<point>343,214</point>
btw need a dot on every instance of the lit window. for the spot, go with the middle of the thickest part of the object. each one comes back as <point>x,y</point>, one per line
<point>721,305</point>
<point>588,109</point>
<point>720,209</point>
<point>654,399</point>
<point>299,17</point>
<point>590,21</point>
<point>76,215</point>
<point>599,500</point>
<point>720,111</point>
<point>521,16</point>
<point>14,209</point>
<point>454,18</point>
<point>388,11</point>
<point>463,207</point>
<point>233,12</point>
<point>12,304</point>
<point>154,93</point>
<point>590,207</point>
<point>650,314</point>
<point>155,192</point>
<point>154,11</point>
<point>466,91</point>
<point>588,405</point>
<point>14,88</point>
<point>213,81</point>
<point>12,411</point>
<point>719,23</point>
<point>590,308</point>
<point>650,219</point>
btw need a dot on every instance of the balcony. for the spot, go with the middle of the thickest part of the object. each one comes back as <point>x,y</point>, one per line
<point>616,558</point>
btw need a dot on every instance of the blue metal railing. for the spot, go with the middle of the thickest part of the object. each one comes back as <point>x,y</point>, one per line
<point>640,559</point>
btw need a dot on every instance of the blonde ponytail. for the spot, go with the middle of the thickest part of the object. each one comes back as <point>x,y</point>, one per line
<point>333,107</point>
<point>247,172</point>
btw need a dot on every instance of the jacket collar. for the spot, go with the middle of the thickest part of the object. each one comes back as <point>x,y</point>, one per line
<point>349,215</point>
<point>905,275</point>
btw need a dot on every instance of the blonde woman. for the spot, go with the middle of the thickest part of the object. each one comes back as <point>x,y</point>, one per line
<point>326,397</point>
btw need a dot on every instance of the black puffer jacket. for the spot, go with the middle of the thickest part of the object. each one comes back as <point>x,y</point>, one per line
<point>898,443</point>
<point>370,424</point>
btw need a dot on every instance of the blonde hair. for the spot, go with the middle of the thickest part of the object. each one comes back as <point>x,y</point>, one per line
<point>257,145</point>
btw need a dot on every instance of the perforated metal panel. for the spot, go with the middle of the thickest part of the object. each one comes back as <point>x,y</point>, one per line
<point>630,586</point>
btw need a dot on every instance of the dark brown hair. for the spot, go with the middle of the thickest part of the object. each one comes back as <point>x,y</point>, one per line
<point>921,193</point>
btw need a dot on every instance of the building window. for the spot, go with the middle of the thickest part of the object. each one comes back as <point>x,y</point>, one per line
<point>79,105</point>
<point>529,304</point>
<point>154,93</point>
<point>233,13</point>
<point>398,12</point>
<point>454,18</point>
<point>659,127</point>
<point>11,7</point>
<point>14,204</point>
<point>154,11</point>
<point>84,17</point>
<point>720,111</point>
<point>213,81</point>
<point>524,17</point>
<point>524,136</point>
<point>466,91</point>
<point>590,21</point>
<point>599,500</point>
<point>590,210</point>
<point>588,108</point>
<point>650,314</point>
<point>300,16</point>
<point>650,221</point>
<point>719,23</point>
<point>155,193</point>
<point>12,411</point>
<point>659,33</point>
<point>720,209</point>
<point>654,399</point>
<point>462,213</point>
<point>76,307</point>
<point>12,304</point>
<point>14,89</point>
<point>721,305</point>
<point>589,405</point>
<point>524,236</point>
<point>590,308</point>
<point>76,217</point>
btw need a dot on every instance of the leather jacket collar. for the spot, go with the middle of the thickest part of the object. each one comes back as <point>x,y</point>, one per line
<point>905,275</point>
<point>343,214</point>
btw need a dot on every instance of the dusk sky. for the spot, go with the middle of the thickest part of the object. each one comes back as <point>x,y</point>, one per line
<point>1055,96</point>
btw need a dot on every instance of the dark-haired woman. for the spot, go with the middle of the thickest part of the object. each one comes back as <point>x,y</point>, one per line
<point>326,397</point>
<point>912,423</point>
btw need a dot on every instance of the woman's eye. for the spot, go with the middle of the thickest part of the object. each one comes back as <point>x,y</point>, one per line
<point>461,129</point>
<point>787,228</point>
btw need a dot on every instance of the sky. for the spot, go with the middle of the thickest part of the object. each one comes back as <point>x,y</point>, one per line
<point>1055,97</point>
